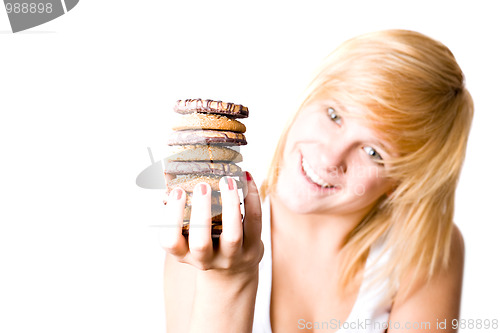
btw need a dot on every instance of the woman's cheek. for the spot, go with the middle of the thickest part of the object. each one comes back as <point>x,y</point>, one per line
<point>367,187</point>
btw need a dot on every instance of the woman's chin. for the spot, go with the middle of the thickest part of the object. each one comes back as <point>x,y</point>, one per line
<point>295,202</point>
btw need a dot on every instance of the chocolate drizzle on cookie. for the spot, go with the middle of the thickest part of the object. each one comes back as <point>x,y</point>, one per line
<point>199,105</point>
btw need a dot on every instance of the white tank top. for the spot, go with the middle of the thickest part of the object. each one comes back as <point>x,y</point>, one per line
<point>369,314</point>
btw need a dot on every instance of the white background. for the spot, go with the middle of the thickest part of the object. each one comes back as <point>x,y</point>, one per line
<point>83,96</point>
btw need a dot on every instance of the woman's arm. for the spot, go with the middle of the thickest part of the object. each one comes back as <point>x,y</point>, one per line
<point>181,281</point>
<point>211,289</point>
<point>224,304</point>
<point>428,305</point>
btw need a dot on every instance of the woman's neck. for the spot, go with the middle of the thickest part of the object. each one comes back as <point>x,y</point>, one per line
<point>326,233</point>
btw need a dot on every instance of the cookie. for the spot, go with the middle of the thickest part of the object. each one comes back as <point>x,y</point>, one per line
<point>196,121</point>
<point>205,168</point>
<point>203,153</point>
<point>188,182</point>
<point>209,106</point>
<point>212,137</point>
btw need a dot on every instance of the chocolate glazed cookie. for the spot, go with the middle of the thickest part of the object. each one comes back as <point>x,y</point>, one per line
<point>209,106</point>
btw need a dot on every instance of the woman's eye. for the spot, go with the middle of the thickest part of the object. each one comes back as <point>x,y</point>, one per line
<point>372,153</point>
<point>334,116</point>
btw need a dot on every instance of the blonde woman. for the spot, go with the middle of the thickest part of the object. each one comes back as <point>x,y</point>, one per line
<point>357,211</point>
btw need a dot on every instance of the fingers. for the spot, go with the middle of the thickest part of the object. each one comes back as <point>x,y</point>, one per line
<point>239,244</point>
<point>253,214</point>
<point>200,225</point>
<point>168,178</point>
<point>171,236</point>
<point>231,237</point>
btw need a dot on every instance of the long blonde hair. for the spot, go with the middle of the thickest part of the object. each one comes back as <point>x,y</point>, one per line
<point>414,94</point>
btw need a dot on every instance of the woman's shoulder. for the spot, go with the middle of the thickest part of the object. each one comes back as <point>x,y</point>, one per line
<point>457,242</point>
<point>424,297</point>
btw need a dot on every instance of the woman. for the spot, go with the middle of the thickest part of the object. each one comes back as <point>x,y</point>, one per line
<point>357,216</point>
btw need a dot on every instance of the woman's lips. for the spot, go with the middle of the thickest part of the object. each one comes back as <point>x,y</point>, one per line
<point>313,179</point>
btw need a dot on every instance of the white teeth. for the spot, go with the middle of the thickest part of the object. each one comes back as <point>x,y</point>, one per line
<point>313,176</point>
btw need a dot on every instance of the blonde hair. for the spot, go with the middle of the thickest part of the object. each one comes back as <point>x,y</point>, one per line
<point>414,95</point>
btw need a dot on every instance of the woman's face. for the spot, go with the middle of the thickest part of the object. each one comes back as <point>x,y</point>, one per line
<point>330,162</point>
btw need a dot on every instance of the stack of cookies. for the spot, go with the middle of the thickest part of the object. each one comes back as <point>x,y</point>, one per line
<point>202,137</point>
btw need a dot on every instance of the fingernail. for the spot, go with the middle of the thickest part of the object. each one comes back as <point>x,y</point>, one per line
<point>202,189</point>
<point>229,182</point>
<point>176,194</point>
<point>249,177</point>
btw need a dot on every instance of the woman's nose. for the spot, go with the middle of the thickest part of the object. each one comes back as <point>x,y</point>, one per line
<point>336,147</point>
<point>333,156</point>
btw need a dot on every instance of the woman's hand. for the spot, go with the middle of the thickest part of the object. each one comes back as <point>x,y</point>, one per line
<point>240,248</point>
<point>218,295</point>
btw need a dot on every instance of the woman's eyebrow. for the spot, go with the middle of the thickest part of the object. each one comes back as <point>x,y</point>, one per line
<point>336,105</point>
<point>380,143</point>
<point>385,147</point>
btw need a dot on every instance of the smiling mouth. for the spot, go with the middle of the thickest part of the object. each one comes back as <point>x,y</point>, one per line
<point>313,177</point>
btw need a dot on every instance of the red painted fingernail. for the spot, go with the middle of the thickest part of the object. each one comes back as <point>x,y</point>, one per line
<point>230,184</point>
<point>203,189</point>
<point>176,194</point>
<point>249,177</point>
